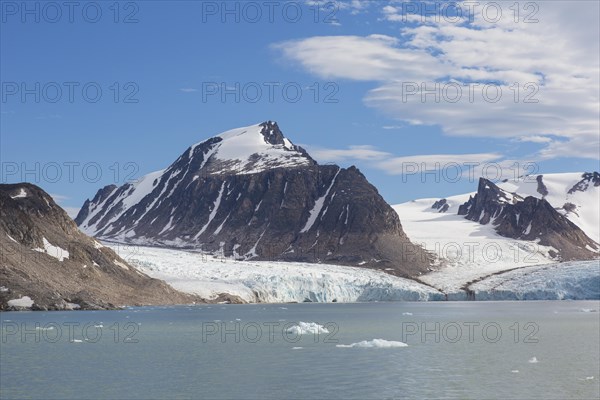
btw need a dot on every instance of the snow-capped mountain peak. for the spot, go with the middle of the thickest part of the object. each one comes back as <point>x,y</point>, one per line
<point>249,150</point>
<point>250,193</point>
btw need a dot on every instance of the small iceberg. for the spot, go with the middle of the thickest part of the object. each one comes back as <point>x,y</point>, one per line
<point>587,378</point>
<point>533,360</point>
<point>306,328</point>
<point>375,343</point>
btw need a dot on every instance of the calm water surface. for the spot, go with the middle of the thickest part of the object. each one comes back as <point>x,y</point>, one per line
<point>466,350</point>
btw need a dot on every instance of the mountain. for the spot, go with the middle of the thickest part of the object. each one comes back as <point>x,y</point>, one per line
<point>47,263</point>
<point>574,195</point>
<point>250,193</point>
<point>528,218</point>
<point>485,232</point>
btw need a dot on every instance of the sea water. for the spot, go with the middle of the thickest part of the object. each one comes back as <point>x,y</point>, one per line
<point>503,350</point>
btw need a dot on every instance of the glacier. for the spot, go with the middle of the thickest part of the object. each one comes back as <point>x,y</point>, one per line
<point>282,282</point>
<point>271,281</point>
<point>578,280</point>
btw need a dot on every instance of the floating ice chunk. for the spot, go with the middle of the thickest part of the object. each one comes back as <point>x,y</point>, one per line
<point>40,328</point>
<point>304,328</point>
<point>375,343</point>
<point>99,326</point>
<point>515,371</point>
<point>77,341</point>
<point>588,310</point>
<point>297,348</point>
<point>407,313</point>
<point>533,360</point>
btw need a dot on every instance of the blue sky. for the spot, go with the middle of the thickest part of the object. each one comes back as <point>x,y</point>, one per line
<point>368,63</point>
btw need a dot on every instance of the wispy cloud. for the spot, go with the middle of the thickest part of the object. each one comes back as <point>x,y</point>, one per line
<point>363,152</point>
<point>188,90</point>
<point>393,165</point>
<point>59,197</point>
<point>547,74</point>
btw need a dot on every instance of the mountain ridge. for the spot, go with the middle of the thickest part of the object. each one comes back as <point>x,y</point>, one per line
<point>250,193</point>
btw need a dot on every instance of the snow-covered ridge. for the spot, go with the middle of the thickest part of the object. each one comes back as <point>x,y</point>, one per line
<point>247,150</point>
<point>239,151</point>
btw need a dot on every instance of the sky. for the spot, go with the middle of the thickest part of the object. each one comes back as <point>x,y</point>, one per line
<point>423,97</point>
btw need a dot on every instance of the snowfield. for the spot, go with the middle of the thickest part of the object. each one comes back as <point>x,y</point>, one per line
<point>465,250</point>
<point>279,282</point>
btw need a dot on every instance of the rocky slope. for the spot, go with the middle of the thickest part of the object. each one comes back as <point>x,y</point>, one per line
<point>574,195</point>
<point>250,193</point>
<point>528,218</point>
<point>47,263</point>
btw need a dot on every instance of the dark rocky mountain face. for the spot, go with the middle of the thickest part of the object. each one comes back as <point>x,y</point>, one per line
<point>441,205</point>
<point>45,257</point>
<point>252,194</point>
<point>528,218</point>
<point>588,179</point>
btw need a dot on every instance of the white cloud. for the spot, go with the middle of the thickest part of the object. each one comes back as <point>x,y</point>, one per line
<point>188,90</point>
<point>435,162</point>
<point>58,197</point>
<point>394,165</point>
<point>554,61</point>
<point>363,152</point>
<point>535,139</point>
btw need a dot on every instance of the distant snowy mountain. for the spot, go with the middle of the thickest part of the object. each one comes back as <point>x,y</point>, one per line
<point>528,218</point>
<point>250,193</point>
<point>575,195</point>
<point>493,234</point>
